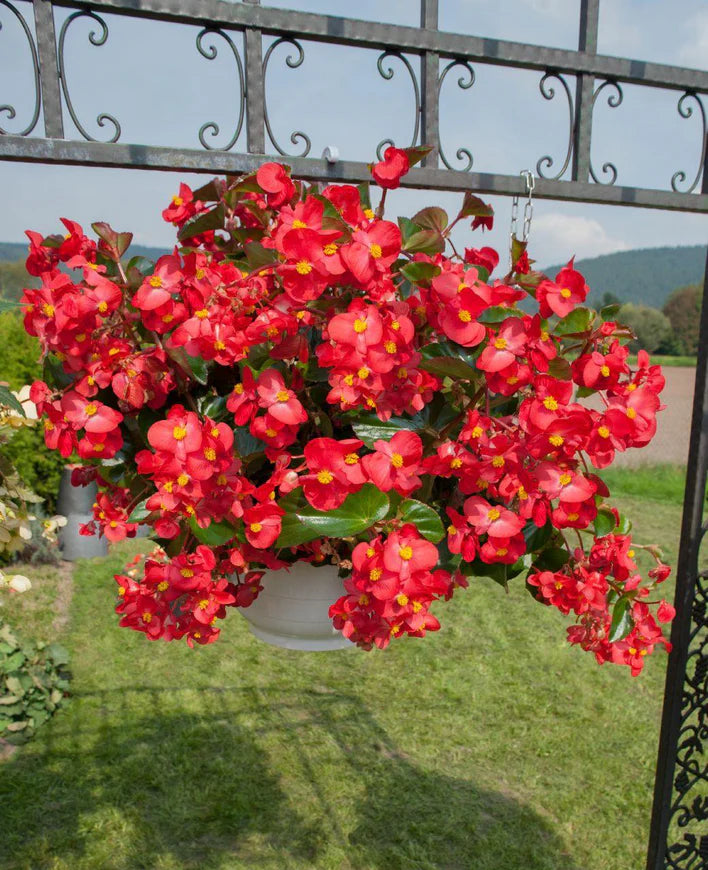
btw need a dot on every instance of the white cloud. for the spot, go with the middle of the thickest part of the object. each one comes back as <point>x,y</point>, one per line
<point>694,52</point>
<point>557,237</point>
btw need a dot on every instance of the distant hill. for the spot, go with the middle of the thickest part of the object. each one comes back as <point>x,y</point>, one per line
<point>644,276</point>
<point>18,251</point>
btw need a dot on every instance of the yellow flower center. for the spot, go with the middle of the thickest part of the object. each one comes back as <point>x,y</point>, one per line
<point>556,440</point>
<point>200,274</point>
<point>363,373</point>
<point>325,476</point>
<point>351,459</point>
<point>370,552</point>
<point>209,454</point>
<point>255,528</point>
<point>168,318</point>
<point>498,461</point>
<point>219,345</point>
<point>390,346</point>
<point>512,380</point>
<point>456,462</point>
<point>375,574</point>
<point>48,309</point>
<point>523,495</point>
<point>162,585</point>
<point>179,433</point>
<point>500,343</point>
<point>177,200</point>
<point>603,432</point>
<point>369,214</point>
<point>202,313</point>
<point>360,325</point>
<point>417,606</point>
<point>550,403</point>
<point>402,600</point>
<point>91,409</point>
<point>303,267</point>
<point>631,413</point>
<point>493,514</point>
<point>103,306</point>
<point>605,371</point>
<point>395,325</point>
<point>99,448</point>
<point>203,604</point>
<point>477,432</point>
<point>238,389</point>
<point>329,249</point>
<point>573,517</point>
<point>349,380</point>
<point>283,396</point>
<point>397,460</point>
<point>464,316</point>
<point>156,281</point>
<point>565,479</point>
<point>406,553</point>
<point>271,433</point>
<point>147,616</point>
<point>183,479</point>
<point>376,251</point>
<point>187,572</point>
<point>502,551</point>
<point>565,293</point>
<point>299,225</point>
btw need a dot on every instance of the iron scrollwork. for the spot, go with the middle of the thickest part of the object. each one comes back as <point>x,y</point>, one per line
<point>293,62</point>
<point>10,110</point>
<point>465,82</point>
<point>210,52</point>
<point>548,92</point>
<point>613,101</point>
<point>388,73</point>
<point>689,810</point>
<point>95,39</point>
<point>686,111</point>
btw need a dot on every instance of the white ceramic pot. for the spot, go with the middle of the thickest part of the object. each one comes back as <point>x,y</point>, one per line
<point>292,611</point>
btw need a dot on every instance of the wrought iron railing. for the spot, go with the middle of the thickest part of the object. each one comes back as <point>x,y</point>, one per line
<point>678,834</point>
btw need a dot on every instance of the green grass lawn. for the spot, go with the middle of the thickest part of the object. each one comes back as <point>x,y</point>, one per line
<point>671,361</point>
<point>490,745</point>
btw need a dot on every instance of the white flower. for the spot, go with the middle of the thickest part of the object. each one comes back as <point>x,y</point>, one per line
<point>20,583</point>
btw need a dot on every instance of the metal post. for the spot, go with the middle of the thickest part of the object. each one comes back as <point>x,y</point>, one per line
<point>48,69</point>
<point>686,579</point>
<point>429,72</point>
<point>584,90</point>
<point>255,91</point>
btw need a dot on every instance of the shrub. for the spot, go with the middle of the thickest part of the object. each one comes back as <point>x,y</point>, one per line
<point>683,309</point>
<point>33,684</point>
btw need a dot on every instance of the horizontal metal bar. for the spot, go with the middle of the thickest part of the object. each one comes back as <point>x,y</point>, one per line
<point>56,151</point>
<point>372,34</point>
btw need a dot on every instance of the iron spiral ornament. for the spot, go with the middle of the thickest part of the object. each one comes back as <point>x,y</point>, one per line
<point>293,62</point>
<point>465,81</point>
<point>388,72</point>
<point>685,110</point>
<point>96,39</point>
<point>210,52</point>
<point>9,110</point>
<point>613,101</point>
<point>548,92</point>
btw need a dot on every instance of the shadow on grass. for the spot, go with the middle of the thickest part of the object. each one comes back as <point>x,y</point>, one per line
<point>248,778</point>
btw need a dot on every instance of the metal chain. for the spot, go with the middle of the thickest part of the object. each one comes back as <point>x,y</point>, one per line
<point>530,179</point>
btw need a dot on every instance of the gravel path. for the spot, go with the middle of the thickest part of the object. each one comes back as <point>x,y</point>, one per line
<point>670,443</point>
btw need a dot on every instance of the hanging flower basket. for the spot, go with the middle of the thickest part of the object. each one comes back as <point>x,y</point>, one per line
<point>292,608</point>
<point>306,389</point>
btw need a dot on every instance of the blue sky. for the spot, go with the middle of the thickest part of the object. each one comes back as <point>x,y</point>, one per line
<point>151,77</point>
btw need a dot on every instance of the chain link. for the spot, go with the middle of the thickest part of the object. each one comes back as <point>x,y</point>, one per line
<point>530,180</point>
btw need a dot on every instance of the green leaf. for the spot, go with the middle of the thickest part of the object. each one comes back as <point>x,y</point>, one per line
<point>535,537</point>
<point>246,444</point>
<point>624,527</point>
<point>432,218</point>
<point>424,518</point>
<point>576,323</point>
<point>552,559</point>
<point>139,512</point>
<point>201,223</point>
<point>424,242</point>
<point>517,249</point>
<point>446,366</point>
<point>208,192</point>
<point>609,311</point>
<point>8,399</point>
<point>497,314</point>
<point>369,428</point>
<point>117,243</point>
<point>214,535</point>
<point>360,511</point>
<point>257,255</point>
<point>53,372</point>
<point>58,654</point>
<point>417,153</point>
<point>622,622</point>
<point>559,367</point>
<point>604,523</point>
<point>195,367</point>
<point>582,392</point>
<point>473,206</point>
<point>420,272</point>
